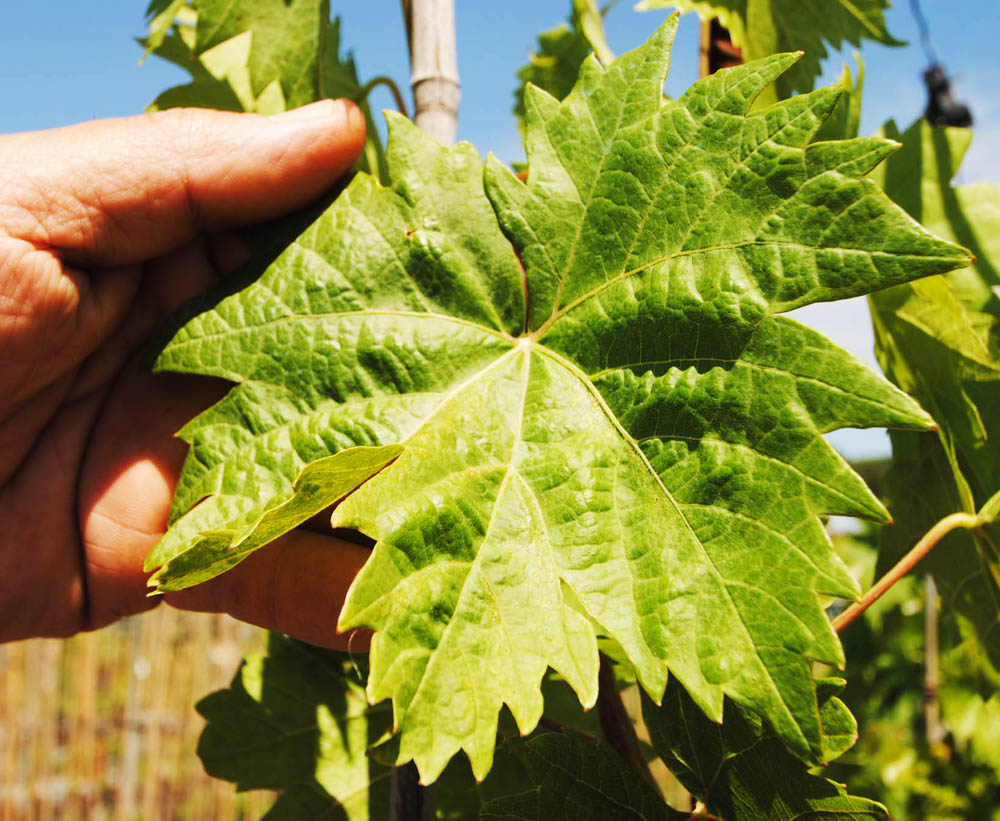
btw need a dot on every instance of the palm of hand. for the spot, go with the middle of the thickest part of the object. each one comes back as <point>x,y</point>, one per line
<point>88,454</point>
<point>103,232</point>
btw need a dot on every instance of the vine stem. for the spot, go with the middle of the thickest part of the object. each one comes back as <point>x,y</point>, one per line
<point>617,725</point>
<point>407,796</point>
<point>389,83</point>
<point>906,564</point>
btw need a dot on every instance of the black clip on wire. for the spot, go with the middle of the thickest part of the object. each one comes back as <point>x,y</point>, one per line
<point>942,107</point>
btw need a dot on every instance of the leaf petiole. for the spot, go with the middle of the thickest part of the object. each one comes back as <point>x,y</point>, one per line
<point>907,563</point>
<point>389,83</point>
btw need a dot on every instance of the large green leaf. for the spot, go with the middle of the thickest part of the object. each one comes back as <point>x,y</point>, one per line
<point>294,720</point>
<point>740,771</point>
<point>939,339</point>
<point>763,27</point>
<point>608,431</point>
<point>561,52</point>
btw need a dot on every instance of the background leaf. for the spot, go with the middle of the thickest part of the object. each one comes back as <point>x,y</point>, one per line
<point>265,57</point>
<point>763,27</point>
<point>277,31</point>
<point>561,51</point>
<point>296,720</point>
<point>845,121</point>
<point>579,780</point>
<point>950,778</point>
<point>161,15</point>
<point>741,770</point>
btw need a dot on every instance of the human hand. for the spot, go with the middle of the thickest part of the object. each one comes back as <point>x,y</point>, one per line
<point>105,228</point>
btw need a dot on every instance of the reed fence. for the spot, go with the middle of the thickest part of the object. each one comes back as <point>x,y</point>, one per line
<point>103,726</point>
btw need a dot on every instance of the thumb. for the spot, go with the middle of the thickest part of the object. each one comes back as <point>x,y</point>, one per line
<point>114,192</point>
<point>295,585</point>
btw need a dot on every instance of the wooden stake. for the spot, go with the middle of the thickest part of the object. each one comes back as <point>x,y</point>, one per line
<point>934,729</point>
<point>430,25</point>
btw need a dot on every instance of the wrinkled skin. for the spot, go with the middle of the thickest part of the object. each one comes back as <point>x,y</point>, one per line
<point>105,228</point>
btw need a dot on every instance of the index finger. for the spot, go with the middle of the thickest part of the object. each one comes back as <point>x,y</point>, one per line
<point>115,192</point>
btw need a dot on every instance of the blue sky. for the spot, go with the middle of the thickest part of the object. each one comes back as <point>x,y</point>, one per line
<point>64,61</point>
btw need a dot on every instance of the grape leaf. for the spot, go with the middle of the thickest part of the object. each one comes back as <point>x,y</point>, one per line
<point>577,780</point>
<point>561,52</point>
<point>919,178</point>
<point>161,15</point>
<point>458,796</point>
<point>294,720</point>
<point>886,652</point>
<point>258,56</point>
<point>339,78</point>
<point>972,718</point>
<point>276,31</point>
<point>921,491</point>
<point>607,432</point>
<point>939,339</point>
<point>221,75</point>
<point>741,771</point>
<point>763,27</point>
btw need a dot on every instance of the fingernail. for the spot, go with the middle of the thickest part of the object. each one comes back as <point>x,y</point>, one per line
<point>315,112</point>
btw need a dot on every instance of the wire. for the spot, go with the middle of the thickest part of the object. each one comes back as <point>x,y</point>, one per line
<point>925,32</point>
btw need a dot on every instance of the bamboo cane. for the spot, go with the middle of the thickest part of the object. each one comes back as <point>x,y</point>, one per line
<point>430,25</point>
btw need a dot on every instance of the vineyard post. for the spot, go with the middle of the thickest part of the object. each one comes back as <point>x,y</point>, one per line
<point>430,29</point>
<point>934,730</point>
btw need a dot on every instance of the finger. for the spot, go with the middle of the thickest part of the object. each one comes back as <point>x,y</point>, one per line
<point>42,586</point>
<point>112,192</point>
<point>128,478</point>
<point>296,585</point>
